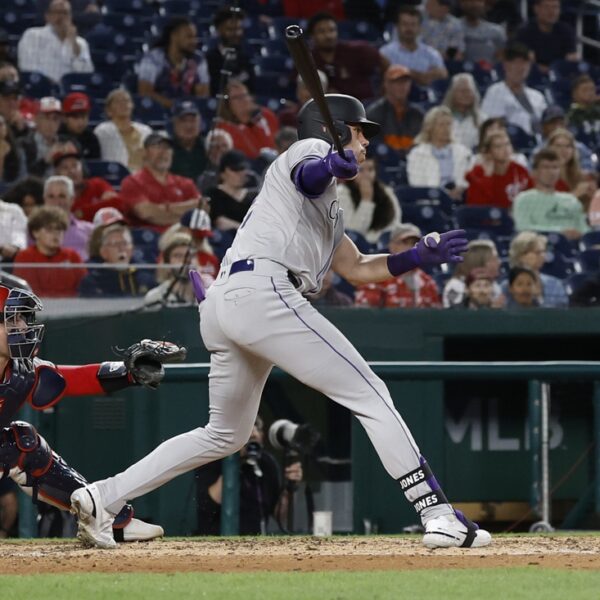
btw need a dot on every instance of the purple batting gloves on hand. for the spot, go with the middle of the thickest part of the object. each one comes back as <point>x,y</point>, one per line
<point>198,286</point>
<point>434,249</point>
<point>338,166</point>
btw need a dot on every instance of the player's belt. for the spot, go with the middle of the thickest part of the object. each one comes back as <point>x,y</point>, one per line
<point>248,265</point>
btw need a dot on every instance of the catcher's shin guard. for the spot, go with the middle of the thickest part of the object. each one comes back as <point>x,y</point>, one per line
<point>33,465</point>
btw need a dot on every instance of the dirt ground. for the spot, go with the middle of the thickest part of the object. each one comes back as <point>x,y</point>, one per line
<point>296,554</point>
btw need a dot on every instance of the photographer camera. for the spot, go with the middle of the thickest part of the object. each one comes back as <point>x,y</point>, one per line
<point>262,493</point>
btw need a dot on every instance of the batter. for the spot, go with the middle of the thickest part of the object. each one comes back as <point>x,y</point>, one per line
<point>256,316</point>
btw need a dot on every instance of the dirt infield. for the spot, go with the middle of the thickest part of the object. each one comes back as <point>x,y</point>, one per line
<point>295,554</point>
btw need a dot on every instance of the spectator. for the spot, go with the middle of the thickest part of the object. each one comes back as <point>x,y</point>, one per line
<point>370,206</point>
<point>228,22</point>
<point>498,179</point>
<point>545,209</point>
<point>523,288</point>
<point>482,254</point>
<point>121,139</point>
<point>189,155</point>
<point>425,63</point>
<point>47,226</point>
<point>9,508</point>
<point>13,230</point>
<point>572,179</point>
<point>174,68</point>
<point>175,289</point>
<point>288,116</point>
<point>414,289</point>
<point>547,36</point>
<point>76,110</point>
<point>528,249</point>
<point>284,138</point>
<point>587,293</point>
<point>329,295</point>
<point>27,193</point>
<point>38,144</point>
<point>155,197</point>
<point>231,199</point>
<point>554,118</point>
<point>463,99</point>
<point>10,94</point>
<point>584,113</point>
<point>484,41</point>
<point>251,127</point>
<point>59,192</point>
<point>505,13</point>
<point>490,127</point>
<point>12,158</point>
<point>436,160</point>
<point>216,144</point>
<point>349,66</point>
<point>197,223</point>
<point>125,279</point>
<point>511,98</point>
<point>91,193</point>
<point>400,120</point>
<point>442,31</point>
<point>6,54</point>
<point>55,49</point>
<point>479,290</point>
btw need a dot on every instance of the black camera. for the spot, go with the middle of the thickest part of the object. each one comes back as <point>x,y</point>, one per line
<point>291,437</point>
<point>252,451</point>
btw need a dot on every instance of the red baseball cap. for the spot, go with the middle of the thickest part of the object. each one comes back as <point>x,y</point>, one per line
<point>107,216</point>
<point>76,102</point>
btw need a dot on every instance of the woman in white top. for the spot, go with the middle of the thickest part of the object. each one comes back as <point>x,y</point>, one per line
<point>464,100</point>
<point>121,139</point>
<point>436,160</point>
<point>370,207</point>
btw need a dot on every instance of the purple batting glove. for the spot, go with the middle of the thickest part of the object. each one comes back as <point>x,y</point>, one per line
<point>338,166</point>
<point>436,249</point>
<point>199,290</point>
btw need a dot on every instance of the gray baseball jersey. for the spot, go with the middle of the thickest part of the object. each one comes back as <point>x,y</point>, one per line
<point>284,226</point>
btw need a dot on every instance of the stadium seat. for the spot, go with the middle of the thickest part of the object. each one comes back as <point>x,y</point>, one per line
<point>275,85</point>
<point>385,156</point>
<point>358,30</point>
<point>105,38</point>
<point>360,241</point>
<point>561,93</point>
<point>94,85</point>
<point>424,96</point>
<point>428,218</point>
<point>521,140</point>
<point>483,77</point>
<point>16,22</point>
<point>275,47</point>
<point>275,64</point>
<point>113,172</point>
<point>145,243</point>
<point>180,7</point>
<point>589,260</point>
<point>569,69</point>
<point>425,196</point>
<point>150,112</point>
<point>272,103</point>
<point>394,175</point>
<point>24,6</point>
<point>208,110</point>
<point>134,28</point>
<point>590,240</point>
<point>37,85</point>
<point>221,241</point>
<point>574,282</point>
<point>558,266</point>
<point>559,244</point>
<point>112,64</point>
<point>489,218</point>
<point>138,8</point>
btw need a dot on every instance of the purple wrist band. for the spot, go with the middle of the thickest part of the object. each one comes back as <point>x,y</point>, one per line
<point>403,262</point>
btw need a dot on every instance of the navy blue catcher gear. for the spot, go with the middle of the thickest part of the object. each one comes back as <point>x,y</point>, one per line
<point>345,110</point>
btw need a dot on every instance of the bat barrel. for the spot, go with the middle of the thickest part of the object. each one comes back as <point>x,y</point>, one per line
<point>293,32</point>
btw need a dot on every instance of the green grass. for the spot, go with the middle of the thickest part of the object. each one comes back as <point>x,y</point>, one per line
<point>528,583</point>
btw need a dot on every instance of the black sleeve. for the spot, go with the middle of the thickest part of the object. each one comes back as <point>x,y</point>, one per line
<point>207,510</point>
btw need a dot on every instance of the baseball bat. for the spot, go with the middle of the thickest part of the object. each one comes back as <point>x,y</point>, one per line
<point>305,65</point>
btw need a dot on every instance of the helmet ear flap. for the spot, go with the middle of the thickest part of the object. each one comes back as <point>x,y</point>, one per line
<point>343,131</point>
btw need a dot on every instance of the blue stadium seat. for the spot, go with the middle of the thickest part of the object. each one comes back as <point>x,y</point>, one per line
<point>559,244</point>
<point>575,281</point>
<point>275,64</point>
<point>94,85</point>
<point>145,243</point>
<point>590,240</point>
<point>273,103</point>
<point>275,85</point>
<point>489,218</point>
<point>568,69</point>
<point>275,47</point>
<point>394,175</point>
<point>254,28</point>
<point>425,196</point>
<point>221,241</point>
<point>360,241</point>
<point>97,114</point>
<point>521,140</point>
<point>24,6</point>
<point>589,260</point>
<point>181,7</point>
<point>16,22</point>
<point>385,156</point>
<point>150,112</point>
<point>558,266</point>
<point>561,93</point>
<point>37,85</point>
<point>132,27</point>
<point>424,96</point>
<point>113,172</point>
<point>112,64</point>
<point>358,30</point>
<point>105,38</point>
<point>483,77</point>
<point>426,217</point>
<point>139,8</point>
<point>208,110</point>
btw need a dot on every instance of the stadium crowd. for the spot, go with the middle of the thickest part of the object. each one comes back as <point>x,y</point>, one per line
<point>123,146</point>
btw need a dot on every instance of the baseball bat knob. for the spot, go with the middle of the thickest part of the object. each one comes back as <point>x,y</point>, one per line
<point>293,31</point>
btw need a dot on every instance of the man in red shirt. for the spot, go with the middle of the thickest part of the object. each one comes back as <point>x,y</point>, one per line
<point>350,66</point>
<point>414,289</point>
<point>154,197</point>
<point>47,226</point>
<point>498,179</point>
<point>91,193</point>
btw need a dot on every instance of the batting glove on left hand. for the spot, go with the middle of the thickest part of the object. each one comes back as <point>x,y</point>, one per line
<point>338,166</point>
<point>436,249</point>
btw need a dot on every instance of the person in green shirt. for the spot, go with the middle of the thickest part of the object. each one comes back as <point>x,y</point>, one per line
<point>189,156</point>
<point>584,113</point>
<point>543,208</point>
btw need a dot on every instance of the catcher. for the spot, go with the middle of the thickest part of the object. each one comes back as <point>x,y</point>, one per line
<point>25,456</point>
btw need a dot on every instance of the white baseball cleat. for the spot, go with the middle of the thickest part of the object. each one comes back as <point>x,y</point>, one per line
<point>139,531</point>
<point>95,522</point>
<point>454,531</point>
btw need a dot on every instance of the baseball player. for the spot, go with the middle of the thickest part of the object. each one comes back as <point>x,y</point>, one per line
<point>256,315</point>
<point>25,456</point>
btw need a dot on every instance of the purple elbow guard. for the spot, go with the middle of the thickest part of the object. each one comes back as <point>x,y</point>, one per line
<point>312,177</point>
<point>403,262</point>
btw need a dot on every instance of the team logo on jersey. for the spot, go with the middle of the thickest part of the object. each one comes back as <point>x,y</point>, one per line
<point>334,208</point>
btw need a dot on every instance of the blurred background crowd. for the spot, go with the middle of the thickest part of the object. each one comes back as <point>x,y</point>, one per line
<point>134,135</point>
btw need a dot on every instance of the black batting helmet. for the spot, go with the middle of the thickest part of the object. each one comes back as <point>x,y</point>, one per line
<point>345,110</point>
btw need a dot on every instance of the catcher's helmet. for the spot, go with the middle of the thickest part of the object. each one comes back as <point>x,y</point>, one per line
<point>18,310</point>
<point>345,110</point>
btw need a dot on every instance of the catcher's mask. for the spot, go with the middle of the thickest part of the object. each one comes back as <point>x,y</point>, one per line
<point>18,312</point>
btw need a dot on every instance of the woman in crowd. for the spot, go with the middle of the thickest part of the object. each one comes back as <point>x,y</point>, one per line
<point>523,288</point>
<point>12,158</point>
<point>572,178</point>
<point>528,249</point>
<point>121,139</point>
<point>464,100</point>
<point>490,127</point>
<point>28,193</point>
<point>498,179</point>
<point>370,207</point>
<point>436,160</point>
<point>252,127</point>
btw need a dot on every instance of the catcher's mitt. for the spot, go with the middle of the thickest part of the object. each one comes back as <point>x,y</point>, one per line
<point>144,360</point>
